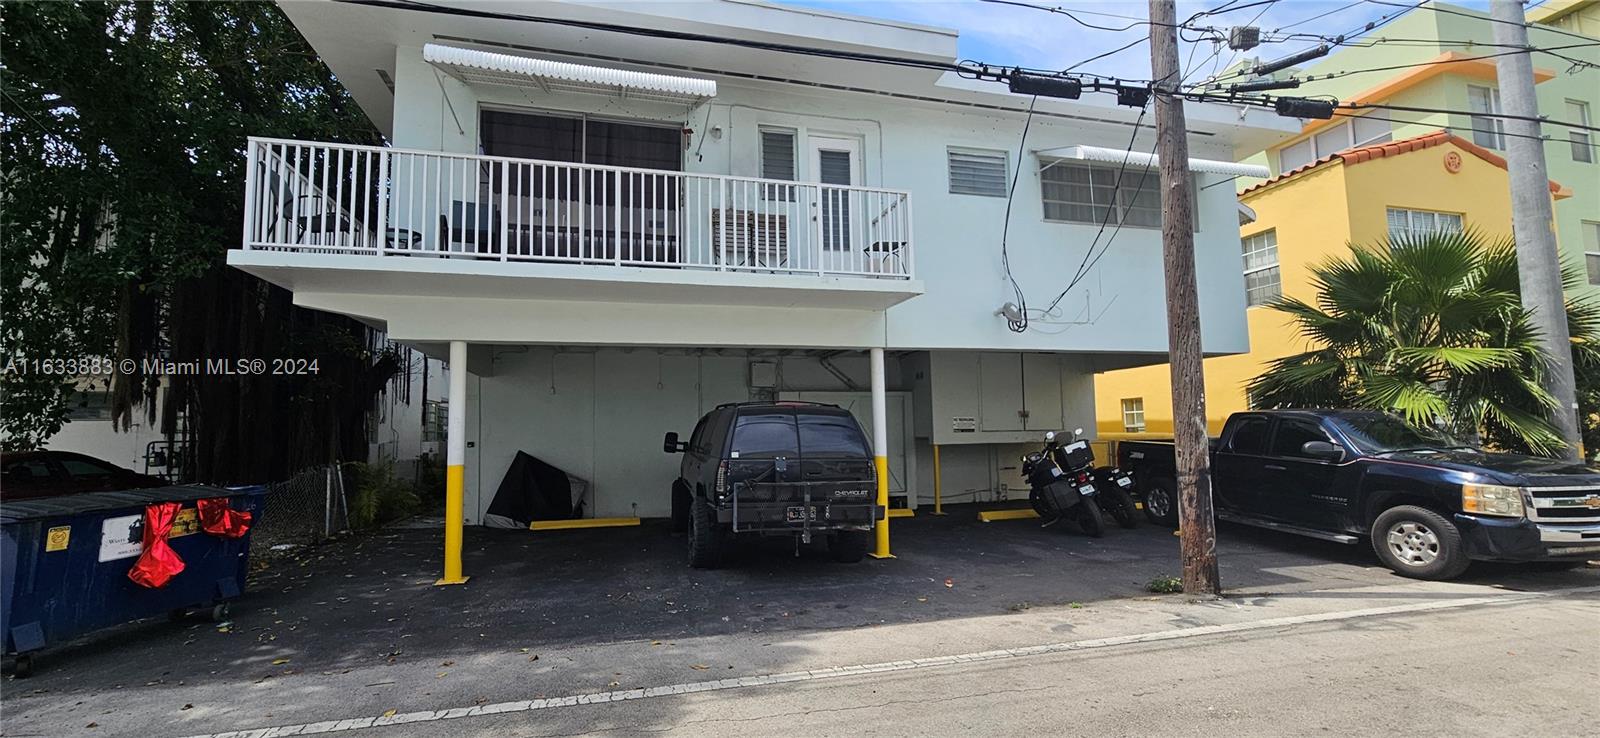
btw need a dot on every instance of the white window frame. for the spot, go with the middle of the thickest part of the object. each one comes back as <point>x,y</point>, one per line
<point>1347,141</point>
<point>1129,183</point>
<point>1414,230</point>
<point>1489,132</point>
<point>1133,415</point>
<point>1582,142</point>
<point>1268,240</point>
<point>1591,249</point>
<point>778,192</point>
<point>1005,169</point>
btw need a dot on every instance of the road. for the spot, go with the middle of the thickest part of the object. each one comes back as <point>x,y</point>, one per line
<point>1419,659</point>
<point>1530,668</point>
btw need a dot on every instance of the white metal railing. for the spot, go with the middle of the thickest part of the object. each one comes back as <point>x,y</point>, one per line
<point>337,198</point>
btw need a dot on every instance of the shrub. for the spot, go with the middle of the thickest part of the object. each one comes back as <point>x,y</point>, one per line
<point>378,496</point>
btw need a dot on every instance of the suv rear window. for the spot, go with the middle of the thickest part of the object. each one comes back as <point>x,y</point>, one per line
<point>832,435</point>
<point>764,436</point>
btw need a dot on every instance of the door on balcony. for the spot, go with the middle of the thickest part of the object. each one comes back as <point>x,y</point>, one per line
<point>837,162</point>
<point>582,213</point>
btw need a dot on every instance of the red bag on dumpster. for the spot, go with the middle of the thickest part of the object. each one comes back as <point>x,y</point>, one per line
<point>219,519</point>
<point>159,563</point>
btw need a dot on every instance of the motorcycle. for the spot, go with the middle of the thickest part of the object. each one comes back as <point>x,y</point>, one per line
<point>1116,499</point>
<point>1061,486</point>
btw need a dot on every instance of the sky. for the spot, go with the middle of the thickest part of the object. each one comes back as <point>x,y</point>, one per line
<point>1008,35</point>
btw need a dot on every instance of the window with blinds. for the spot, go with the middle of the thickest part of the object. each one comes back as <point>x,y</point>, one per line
<point>1262,280</point>
<point>978,172</point>
<point>1411,225</point>
<point>777,162</point>
<point>1090,192</point>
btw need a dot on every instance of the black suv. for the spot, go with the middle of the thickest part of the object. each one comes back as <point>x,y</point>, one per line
<point>795,469</point>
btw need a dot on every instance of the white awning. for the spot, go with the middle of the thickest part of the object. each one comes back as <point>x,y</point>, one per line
<point>1142,159</point>
<point>492,68</point>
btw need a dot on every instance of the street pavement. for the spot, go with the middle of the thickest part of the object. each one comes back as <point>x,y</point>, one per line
<point>1312,638</point>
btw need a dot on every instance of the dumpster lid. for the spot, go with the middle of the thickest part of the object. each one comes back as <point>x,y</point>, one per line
<point>87,502</point>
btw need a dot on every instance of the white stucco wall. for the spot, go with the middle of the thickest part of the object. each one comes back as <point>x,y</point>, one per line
<point>600,414</point>
<point>1117,308</point>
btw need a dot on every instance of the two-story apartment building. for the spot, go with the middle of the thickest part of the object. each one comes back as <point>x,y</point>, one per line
<point>608,233</point>
<point>1438,57</point>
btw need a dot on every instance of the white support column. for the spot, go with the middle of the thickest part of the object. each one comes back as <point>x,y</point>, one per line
<point>880,452</point>
<point>455,465</point>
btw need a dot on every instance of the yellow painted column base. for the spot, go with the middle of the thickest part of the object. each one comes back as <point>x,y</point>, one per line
<point>455,484</point>
<point>882,528</point>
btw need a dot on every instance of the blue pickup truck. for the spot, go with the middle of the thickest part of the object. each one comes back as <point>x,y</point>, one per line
<point>1428,503</point>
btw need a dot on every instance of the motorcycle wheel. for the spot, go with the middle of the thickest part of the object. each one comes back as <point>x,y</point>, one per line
<point>1036,499</point>
<point>1090,519</point>
<point>1120,505</point>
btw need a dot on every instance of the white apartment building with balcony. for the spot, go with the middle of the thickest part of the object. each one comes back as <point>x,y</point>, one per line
<point>612,233</point>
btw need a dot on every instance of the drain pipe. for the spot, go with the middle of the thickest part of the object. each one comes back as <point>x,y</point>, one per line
<point>826,360</point>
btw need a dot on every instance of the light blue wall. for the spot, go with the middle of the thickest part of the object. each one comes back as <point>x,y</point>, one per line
<point>1118,308</point>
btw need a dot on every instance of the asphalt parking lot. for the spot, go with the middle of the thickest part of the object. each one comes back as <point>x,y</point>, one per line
<point>369,599</point>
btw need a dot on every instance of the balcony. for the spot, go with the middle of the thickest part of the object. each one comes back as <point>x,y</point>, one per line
<point>319,205</point>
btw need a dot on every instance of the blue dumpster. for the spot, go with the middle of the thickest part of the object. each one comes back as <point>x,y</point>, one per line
<point>64,563</point>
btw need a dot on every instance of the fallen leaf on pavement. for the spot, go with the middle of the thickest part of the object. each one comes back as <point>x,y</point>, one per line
<point>279,662</point>
<point>390,712</point>
<point>948,582</point>
<point>699,667</point>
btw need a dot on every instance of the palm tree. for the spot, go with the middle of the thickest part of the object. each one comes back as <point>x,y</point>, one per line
<point>1432,328</point>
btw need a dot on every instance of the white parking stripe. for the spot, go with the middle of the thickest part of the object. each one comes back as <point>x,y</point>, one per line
<point>361,723</point>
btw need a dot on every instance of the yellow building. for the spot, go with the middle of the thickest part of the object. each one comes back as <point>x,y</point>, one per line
<point>1304,216</point>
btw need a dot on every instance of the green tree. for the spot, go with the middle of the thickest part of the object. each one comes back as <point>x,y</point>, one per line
<point>1431,328</point>
<point>122,132</point>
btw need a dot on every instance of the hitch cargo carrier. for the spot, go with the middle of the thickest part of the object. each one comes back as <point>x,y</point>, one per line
<point>802,507</point>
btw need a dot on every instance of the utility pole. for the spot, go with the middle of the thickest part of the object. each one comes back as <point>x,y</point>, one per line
<point>1533,218</point>
<point>1196,521</point>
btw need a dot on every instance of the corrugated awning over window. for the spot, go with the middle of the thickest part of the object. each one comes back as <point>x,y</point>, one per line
<point>474,66</point>
<point>1142,159</point>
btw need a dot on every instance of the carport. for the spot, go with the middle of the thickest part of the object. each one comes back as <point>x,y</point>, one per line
<point>598,412</point>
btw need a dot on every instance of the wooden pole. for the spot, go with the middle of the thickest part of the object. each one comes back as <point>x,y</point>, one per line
<point>1197,525</point>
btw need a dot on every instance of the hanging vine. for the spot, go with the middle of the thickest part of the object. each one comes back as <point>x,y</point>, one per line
<point>123,129</point>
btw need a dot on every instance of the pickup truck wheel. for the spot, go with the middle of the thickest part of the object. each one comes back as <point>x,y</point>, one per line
<point>1419,543</point>
<point>848,546</point>
<point>1161,502</point>
<point>705,535</point>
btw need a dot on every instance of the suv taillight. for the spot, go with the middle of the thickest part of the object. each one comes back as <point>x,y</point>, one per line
<point>722,478</point>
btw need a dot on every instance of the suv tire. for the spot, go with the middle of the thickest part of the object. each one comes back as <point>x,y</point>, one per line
<point>848,546</point>
<point>1419,543</point>
<point>1161,501</point>
<point>681,500</point>
<point>705,535</point>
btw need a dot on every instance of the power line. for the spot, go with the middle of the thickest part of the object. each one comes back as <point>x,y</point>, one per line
<point>1269,101</point>
<point>1318,16</point>
<point>1019,324</point>
<point>1450,11</point>
<point>1394,67</point>
<point>1411,65</point>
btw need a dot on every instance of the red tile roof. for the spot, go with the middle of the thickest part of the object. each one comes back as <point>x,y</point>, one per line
<point>1395,148</point>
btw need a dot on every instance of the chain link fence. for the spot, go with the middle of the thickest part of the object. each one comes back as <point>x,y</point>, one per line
<point>306,508</point>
